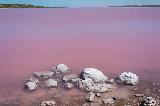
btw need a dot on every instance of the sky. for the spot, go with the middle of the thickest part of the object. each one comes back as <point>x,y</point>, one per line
<point>82,3</point>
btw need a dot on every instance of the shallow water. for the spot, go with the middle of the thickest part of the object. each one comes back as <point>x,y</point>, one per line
<point>110,39</point>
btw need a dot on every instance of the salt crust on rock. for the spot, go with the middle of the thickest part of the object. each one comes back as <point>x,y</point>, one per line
<point>48,103</point>
<point>68,77</point>
<point>68,85</point>
<point>149,101</point>
<point>61,68</point>
<point>109,100</point>
<point>45,74</point>
<point>31,85</point>
<point>33,80</point>
<point>51,83</point>
<point>94,74</point>
<point>89,85</point>
<point>128,78</point>
<point>90,97</point>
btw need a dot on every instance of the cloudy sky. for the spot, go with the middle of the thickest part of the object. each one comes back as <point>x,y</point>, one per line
<point>83,3</point>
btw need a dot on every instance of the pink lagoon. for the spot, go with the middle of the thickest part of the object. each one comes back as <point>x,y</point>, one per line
<point>112,40</point>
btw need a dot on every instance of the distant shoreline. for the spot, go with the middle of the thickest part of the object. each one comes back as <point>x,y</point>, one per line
<point>35,6</point>
<point>24,6</point>
<point>137,6</point>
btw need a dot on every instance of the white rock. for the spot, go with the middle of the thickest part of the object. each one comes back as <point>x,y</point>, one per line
<point>101,88</point>
<point>68,85</point>
<point>48,103</point>
<point>68,77</point>
<point>31,86</point>
<point>94,74</point>
<point>51,83</point>
<point>83,84</point>
<point>75,80</point>
<point>111,81</point>
<point>128,78</point>
<point>98,94</point>
<point>90,97</point>
<point>109,100</point>
<point>45,74</point>
<point>139,95</point>
<point>89,85</point>
<point>149,101</point>
<point>33,80</point>
<point>61,68</point>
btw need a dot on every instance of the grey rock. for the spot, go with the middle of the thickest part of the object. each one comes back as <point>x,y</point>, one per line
<point>92,104</point>
<point>158,90</point>
<point>139,95</point>
<point>148,101</point>
<point>36,80</point>
<point>31,86</point>
<point>68,77</point>
<point>98,94</point>
<point>135,89</point>
<point>155,84</point>
<point>89,85</point>
<point>45,74</point>
<point>61,68</point>
<point>48,103</point>
<point>68,85</point>
<point>83,84</point>
<point>110,100</point>
<point>51,83</point>
<point>90,97</point>
<point>75,80</point>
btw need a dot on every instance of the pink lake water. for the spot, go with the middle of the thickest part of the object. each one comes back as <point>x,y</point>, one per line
<point>110,39</point>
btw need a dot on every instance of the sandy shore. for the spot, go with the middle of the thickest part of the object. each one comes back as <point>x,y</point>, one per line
<point>76,97</point>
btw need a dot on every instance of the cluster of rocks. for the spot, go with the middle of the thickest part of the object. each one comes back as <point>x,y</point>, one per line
<point>90,97</point>
<point>148,101</point>
<point>46,76</point>
<point>94,80</point>
<point>91,80</point>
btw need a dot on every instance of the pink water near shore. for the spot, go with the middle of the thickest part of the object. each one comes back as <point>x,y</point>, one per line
<point>110,39</point>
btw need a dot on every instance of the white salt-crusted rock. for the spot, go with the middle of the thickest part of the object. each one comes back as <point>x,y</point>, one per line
<point>36,80</point>
<point>48,103</point>
<point>45,74</point>
<point>89,85</point>
<point>109,100</point>
<point>94,74</point>
<point>68,77</point>
<point>75,80</point>
<point>111,81</point>
<point>61,68</point>
<point>51,83</point>
<point>68,85</point>
<point>101,87</point>
<point>31,86</point>
<point>148,101</point>
<point>90,97</point>
<point>98,94</point>
<point>84,84</point>
<point>128,78</point>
